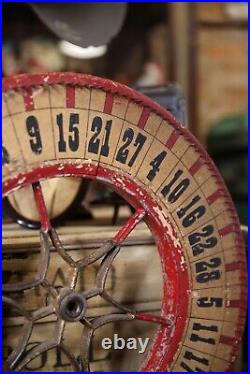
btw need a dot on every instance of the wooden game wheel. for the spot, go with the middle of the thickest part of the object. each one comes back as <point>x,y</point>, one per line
<point>74,125</point>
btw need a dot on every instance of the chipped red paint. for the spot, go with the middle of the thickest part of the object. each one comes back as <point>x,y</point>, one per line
<point>41,207</point>
<point>28,100</point>
<point>176,289</point>
<point>152,318</point>
<point>129,226</point>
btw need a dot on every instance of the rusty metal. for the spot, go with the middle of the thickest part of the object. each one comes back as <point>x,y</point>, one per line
<point>166,340</point>
<point>67,304</point>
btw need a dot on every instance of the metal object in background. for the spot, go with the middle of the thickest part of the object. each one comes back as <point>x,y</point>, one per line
<point>82,24</point>
<point>169,97</point>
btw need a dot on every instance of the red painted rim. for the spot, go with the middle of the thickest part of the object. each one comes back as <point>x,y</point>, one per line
<point>81,80</point>
<point>23,81</point>
<point>72,79</point>
<point>175,285</point>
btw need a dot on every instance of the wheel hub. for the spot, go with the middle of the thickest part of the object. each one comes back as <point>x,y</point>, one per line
<point>71,305</point>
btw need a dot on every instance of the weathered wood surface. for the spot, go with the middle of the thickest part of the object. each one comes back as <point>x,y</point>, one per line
<point>15,238</point>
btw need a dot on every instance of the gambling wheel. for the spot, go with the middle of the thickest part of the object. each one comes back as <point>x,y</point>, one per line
<point>58,125</point>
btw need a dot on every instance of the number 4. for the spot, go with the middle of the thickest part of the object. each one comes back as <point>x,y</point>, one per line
<point>156,165</point>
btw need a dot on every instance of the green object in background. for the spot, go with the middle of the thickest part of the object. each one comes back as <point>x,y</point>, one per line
<point>227,144</point>
<point>228,134</point>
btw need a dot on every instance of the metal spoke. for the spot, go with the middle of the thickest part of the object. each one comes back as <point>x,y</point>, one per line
<point>107,252</point>
<point>152,318</point>
<point>110,245</point>
<point>129,226</point>
<point>88,333</point>
<point>17,307</point>
<point>34,352</point>
<point>43,312</point>
<point>96,255</point>
<point>60,248</point>
<point>110,250</point>
<point>41,207</point>
<point>104,269</point>
<point>118,305</point>
<point>42,270</point>
<point>71,357</point>
<point>45,346</point>
<point>20,348</point>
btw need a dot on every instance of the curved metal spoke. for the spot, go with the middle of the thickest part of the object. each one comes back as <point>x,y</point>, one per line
<point>26,330</point>
<point>21,345</point>
<point>43,312</point>
<point>43,347</point>
<point>118,305</point>
<point>74,363</point>
<point>117,240</point>
<point>17,307</point>
<point>42,270</point>
<point>107,252</point>
<point>34,352</point>
<point>41,207</point>
<point>96,255</point>
<point>88,333</point>
<point>129,226</point>
<point>60,248</point>
<point>152,318</point>
<point>104,269</point>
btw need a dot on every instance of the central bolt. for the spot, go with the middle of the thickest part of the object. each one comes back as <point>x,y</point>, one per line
<point>72,306</point>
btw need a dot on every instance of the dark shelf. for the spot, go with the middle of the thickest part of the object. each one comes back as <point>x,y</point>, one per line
<point>228,24</point>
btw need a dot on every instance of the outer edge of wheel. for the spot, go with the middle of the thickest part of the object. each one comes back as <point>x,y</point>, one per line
<point>26,81</point>
<point>133,194</point>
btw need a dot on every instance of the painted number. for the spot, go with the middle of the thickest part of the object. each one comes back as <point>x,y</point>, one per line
<point>202,240</point>
<point>73,140</point>
<point>156,163</point>
<point>123,152</point>
<point>189,214</point>
<point>5,156</point>
<point>32,127</point>
<point>94,143</point>
<point>202,268</point>
<point>175,188</point>
<point>193,361</point>
<point>203,334</point>
<point>208,302</point>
